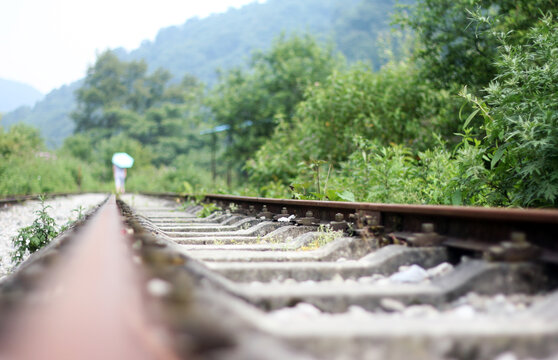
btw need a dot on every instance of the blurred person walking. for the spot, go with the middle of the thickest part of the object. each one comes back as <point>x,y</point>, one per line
<point>119,178</point>
<point>121,162</point>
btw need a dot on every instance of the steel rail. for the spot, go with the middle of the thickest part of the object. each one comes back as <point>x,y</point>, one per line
<point>92,304</point>
<point>507,214</point>
<point>462,225</point>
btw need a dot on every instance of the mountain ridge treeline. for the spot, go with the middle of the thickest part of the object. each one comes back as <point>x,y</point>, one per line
<point>200,47</point>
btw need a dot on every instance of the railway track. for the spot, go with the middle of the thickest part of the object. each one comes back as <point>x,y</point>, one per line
<point>273,279</point>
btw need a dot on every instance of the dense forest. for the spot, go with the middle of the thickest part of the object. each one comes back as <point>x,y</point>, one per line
<point>200,47</point>
<point>463,111</point>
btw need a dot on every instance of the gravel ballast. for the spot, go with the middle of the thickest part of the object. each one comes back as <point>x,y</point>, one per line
<point>15,217</point>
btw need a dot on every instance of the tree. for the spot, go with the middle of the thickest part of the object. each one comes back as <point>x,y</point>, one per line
<point>21,139</point>
<point>358,29</point>
<point>392,106</point>
<point>113,89</point>
<point>455,48</point>
<point>249,101</point>
<point>122,99</point>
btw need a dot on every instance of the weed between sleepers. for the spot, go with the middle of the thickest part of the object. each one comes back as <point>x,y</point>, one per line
<point>325,236</point>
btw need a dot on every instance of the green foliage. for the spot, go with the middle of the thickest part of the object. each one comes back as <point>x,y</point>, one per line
<point>35,236</point>
<point>33,174</point>
<point>359,32</point>
<point>391,106</point>
<point>121,143</point>
<point>78,146</point>
<point>456,48</point>
<point>19,139</point>
<point>248,101</point>
<point>397,174</point>
<point>208,209</point>
<point>519,136</point>
<point>114,91</point>
<point>122,108</point>
<point>26,168</point>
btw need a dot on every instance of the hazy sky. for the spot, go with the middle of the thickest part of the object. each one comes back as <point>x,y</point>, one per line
<point>48,43</point>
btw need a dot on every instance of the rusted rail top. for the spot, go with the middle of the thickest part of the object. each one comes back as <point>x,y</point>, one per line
<point>92,305</point>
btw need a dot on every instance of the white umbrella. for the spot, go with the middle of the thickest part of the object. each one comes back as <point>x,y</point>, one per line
<point>122,160</point>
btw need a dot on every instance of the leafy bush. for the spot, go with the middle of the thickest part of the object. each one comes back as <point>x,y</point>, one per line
<point>19,139</point>
<point>396,174</point>
<point>35,236</point>
<point>458,47</point>
<point>391,106</point>
<point>36,173</point>
<point>519,137</point>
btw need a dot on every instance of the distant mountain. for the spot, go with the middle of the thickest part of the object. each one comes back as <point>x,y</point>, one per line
<point>14,94</point>
<point>50,115</point>
<point>200,46</point>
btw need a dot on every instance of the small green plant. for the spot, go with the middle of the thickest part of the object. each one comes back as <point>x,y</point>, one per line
<point>325,236</point>
<point>80,212</point>
<point>183,206</point>
<point>208,209</point>
<point>233,207</point>
<point>302,188</point>
<point>32,238</point>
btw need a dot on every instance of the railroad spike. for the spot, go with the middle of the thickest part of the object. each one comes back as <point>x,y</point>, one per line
<point>308,220</point>
<point>339,224</point>
<point>265,213</point>
<point>428,237</point>
<point>514,250</point>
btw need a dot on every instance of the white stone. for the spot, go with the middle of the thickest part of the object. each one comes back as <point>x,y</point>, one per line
<point>337,278</point>
<point>392,305</point>
<point>307,310</point>
<point>506,356</point>
<point>366,280</point>
<point>500,298</point>
<point>158,287</point>
<point>356,311</point>
<point>287,219</point>
<point>383,281</point>
<point>421,311</point>
<point>464,311</point>
<point>413,274</point>
<point>439,270</point>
